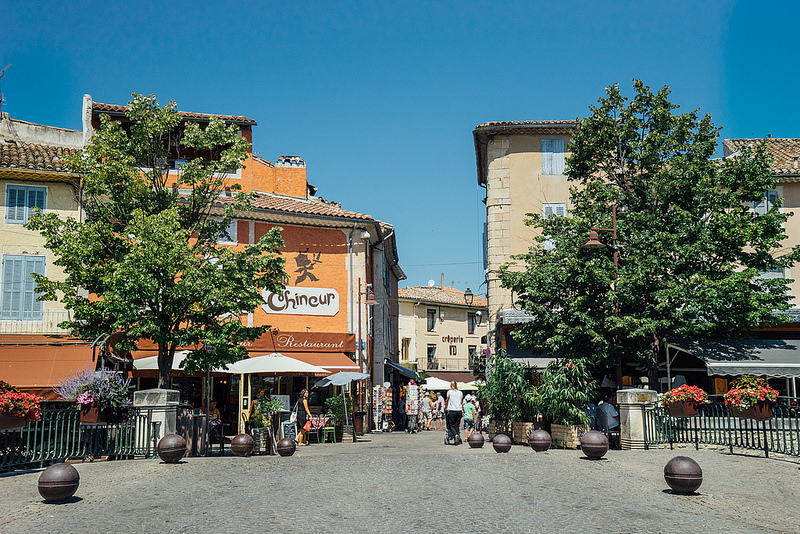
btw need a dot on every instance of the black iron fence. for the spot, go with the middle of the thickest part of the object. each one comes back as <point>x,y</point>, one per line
<point>59,436</point>
<point>716,426</point>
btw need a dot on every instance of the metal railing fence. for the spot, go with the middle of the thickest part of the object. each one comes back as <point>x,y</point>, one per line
<point>46,323</point>
<point>59,436</point>
<point>716,426</point>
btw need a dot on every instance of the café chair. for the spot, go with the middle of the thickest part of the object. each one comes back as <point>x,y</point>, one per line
<point>329,429</point>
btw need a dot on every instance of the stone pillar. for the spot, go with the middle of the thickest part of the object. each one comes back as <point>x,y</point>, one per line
<point>631,416</point>
<point>164,403</point>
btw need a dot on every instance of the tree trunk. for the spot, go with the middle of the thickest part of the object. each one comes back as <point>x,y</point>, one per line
<point>166,354</point>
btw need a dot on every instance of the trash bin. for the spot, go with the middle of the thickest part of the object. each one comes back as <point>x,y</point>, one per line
<point>358,423</point>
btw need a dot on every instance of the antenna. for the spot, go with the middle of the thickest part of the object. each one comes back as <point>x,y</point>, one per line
<point>1,92</point>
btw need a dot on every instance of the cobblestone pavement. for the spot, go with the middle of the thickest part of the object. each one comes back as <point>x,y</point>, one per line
<point>402,482</point>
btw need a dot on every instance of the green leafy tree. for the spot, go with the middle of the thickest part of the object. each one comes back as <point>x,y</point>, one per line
<point>689,247</point>
<point>145,260</point>
<point>510,394</point>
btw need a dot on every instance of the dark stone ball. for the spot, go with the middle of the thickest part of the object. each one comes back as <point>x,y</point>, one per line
<point>683,475</point>
<point>286,447</point>
<point>171,448</point>
<point>501,443</point>
<point>242,445</point>
<point>540,440</point>
<point>59,482</point>
<point>475,440</point>
<point>594,444</point>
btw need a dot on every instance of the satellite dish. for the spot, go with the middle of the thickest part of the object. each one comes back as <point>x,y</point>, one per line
<point>431,283</point>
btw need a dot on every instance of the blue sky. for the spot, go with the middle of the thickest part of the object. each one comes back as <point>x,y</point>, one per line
<point>380,98</point>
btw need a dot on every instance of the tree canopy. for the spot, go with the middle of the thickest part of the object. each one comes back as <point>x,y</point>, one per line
<point>691,250</point>
<point>146,259</point>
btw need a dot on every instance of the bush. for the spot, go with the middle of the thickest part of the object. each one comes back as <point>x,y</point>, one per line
<point>566,388</point>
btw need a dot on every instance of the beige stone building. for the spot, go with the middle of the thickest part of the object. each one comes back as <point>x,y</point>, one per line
<point>439,331</point>
<point>521,166</point>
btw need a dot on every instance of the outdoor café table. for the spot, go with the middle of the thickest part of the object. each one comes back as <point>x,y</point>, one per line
<point>317,422</point>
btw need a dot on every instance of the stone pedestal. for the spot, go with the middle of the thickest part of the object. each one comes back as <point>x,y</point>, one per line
<point>631,416</point>
<point>164,403</point>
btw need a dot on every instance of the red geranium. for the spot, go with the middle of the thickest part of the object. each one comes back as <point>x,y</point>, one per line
<point>685,393</point>
<point>21,405</point>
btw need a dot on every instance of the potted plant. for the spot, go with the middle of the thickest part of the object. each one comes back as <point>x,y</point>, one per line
<point>102,396</point>
<point>567,388</point>
<point>751,397</point>
<point>17,408</point>
<point>506,391</point>
<point>264,408</point>
<point>685,400</point>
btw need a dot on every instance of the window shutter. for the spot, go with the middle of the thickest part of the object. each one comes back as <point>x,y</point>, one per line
<point>558,156</point>
<point>15,204</point>
<point>547,156</point>
<point>19,289</point>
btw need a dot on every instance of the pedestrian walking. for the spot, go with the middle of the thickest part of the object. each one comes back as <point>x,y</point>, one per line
<point>469,417</point>
<point>438,414</point>
<point>478,414</point>
<point>427,411</point>
<point>453,411</point>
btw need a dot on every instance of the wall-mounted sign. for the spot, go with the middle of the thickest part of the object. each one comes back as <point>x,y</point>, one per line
<point>302,301</point>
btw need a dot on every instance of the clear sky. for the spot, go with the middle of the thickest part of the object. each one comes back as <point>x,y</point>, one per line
<point>380,98</point>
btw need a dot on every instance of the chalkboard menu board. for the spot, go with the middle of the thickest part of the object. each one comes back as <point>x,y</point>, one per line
<point>289,430</point>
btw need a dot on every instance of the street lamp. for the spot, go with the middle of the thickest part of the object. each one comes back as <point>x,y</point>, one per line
<point>594,242</point>
<point>209,350</point>
<point>369,302</point>
<point>469,297</point>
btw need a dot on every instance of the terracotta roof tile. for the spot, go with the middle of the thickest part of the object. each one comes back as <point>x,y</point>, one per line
<point>554,123</point>
<point>31,156</point>
<point>263,201</point>
<point>114,108</point>
<point>786,152</point>
<point>446,295</point>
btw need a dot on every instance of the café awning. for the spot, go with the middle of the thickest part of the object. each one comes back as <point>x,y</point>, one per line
<point>779,358</point>
<point>404,371</point>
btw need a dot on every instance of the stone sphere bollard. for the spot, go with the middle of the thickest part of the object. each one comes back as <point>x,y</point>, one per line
<point>286,447</point>
<point>594,444</point>
<point>501,443</point>
<point>475,440</point>
<point>171,448</point>
<point>242,445</point>
<point>683,475</point>
<point>540,440</point>
<point>59,482</point>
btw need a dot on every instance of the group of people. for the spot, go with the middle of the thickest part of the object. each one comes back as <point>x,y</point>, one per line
<point>458,407</point>
<point>433,411</point>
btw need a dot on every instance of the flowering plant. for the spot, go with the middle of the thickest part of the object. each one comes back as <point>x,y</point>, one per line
<point>685,393</point>
<point>748,390</point>
<point>12,402</point>
<point>104,389</point>
<point>747,397</point>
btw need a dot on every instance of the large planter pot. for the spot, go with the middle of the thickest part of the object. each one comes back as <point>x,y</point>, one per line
<point>12,422</point>
<point>262,441</point>
<point>758,411</point>
<point>683,409</point>
<point>59,482</point>
<point>594,444</point>
<point>522,431</point>
<point>492,430</point>
<point>568,436</point>
<point>91,415</point>
<point>540,440</point>
<point>683,475</point>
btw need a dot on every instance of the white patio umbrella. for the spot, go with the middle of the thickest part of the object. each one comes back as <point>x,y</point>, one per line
<point>436,384</point>
<point>274,363</point>
<point>151,362</point>
<point>340,379</point>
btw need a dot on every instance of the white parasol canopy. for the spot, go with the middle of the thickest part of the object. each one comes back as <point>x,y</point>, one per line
<point>275,363</point>
<point>340,379</point>
<point>151,362</point>
<point>436,384</point>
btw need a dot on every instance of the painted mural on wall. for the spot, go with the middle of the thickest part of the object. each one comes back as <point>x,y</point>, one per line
<point>305,264</point>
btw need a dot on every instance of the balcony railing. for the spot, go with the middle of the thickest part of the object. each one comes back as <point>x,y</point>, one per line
<point>443,364</point>
<point>47,324</point>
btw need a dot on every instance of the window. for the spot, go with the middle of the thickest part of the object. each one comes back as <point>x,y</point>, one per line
<point>765,204</point>
<point>431,320</point>
<point>553,210</point>
<point>472,321</point>
<point>19,289</point>
<point>20,201</point>
<point>778,272</point>
<point>432,364</point>
<point>552,156</point>
<point>232,230</point>
<point>405,350</point>
<point>473,355</point>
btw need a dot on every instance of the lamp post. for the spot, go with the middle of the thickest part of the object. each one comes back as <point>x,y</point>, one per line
<point>469,297</point>
<point>370,301</point>
<point>594,242</point>
<point>209,350</point>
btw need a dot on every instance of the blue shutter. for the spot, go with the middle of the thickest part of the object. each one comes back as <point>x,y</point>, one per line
<point>19,289</point>
<point>21,200</point>
<point>558,156</point>
<point>547,156</point>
